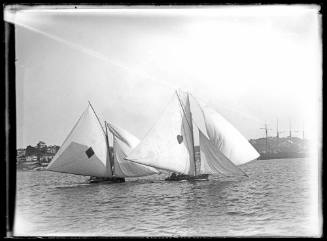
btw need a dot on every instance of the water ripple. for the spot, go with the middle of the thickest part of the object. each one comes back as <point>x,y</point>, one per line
<point>274,200</point>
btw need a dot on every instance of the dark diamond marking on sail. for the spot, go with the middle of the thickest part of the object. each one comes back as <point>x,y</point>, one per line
<point>179,139</point>
<point>89,152</point>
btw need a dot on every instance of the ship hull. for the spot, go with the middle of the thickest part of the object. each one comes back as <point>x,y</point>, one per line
<point>106,180</point>
<point>181,177</point>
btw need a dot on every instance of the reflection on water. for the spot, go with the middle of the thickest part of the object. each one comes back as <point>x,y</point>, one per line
<point>274,200</point>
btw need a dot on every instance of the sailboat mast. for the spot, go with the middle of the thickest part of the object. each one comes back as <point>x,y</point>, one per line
<point>190,125</point>
<point>106,137</point>
<point>112,168</point>
<point>192,135</point>
<point>97,117</point>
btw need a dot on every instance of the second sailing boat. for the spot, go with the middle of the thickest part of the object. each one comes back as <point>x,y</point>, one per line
<point>170,144</point>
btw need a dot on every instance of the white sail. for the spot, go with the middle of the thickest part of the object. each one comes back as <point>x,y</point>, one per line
<point>125,168</point>
<point>123,142</point>
<point>213,161</point>
<point>85,151</point>
<point>123,135</point>
<point>197,115</point>
<point>227,139</point>
<point>166,145</point>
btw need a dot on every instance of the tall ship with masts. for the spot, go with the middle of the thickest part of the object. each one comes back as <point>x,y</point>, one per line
<point>169,145</point>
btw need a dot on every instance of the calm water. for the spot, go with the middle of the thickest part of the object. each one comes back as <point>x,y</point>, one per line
<point>276,199</point>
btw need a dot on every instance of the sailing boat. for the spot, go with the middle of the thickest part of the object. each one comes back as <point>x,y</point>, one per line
<point>86,152</point>
<point>169,145</point>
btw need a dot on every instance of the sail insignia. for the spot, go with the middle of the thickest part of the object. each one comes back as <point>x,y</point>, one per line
<point>89,152</point>
<point>179,139</point>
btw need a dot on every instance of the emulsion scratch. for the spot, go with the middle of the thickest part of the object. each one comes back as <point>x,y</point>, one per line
<point>16,19</point>
<point>20,20</point>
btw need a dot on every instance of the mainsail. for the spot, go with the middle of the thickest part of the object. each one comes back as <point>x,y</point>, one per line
<point>167,145</point>
<point>123,142</point>
<point>85,150</point>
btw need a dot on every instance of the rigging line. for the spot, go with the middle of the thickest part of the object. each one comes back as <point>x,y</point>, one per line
<point>114,144</point>
<point>111,162</point>
<point>113,131</point>
<point>191,129</point>
<point>191,116</point>
<point>116,134</point>
<point>184,127</point>
<point>97,118</point>
<point>192,136</point>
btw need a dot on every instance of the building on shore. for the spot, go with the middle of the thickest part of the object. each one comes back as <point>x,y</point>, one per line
<point>41,145</point>
<point>33,157</point>
<point>20,152</point>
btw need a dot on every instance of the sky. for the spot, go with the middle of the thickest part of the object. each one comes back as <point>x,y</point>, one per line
<point>252,64</point>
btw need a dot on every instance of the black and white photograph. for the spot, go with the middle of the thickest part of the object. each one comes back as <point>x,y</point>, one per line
<point>167,121</point>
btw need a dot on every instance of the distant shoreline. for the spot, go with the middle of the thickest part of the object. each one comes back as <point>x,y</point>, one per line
<point>39,156</point>
<point>19,168</point>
